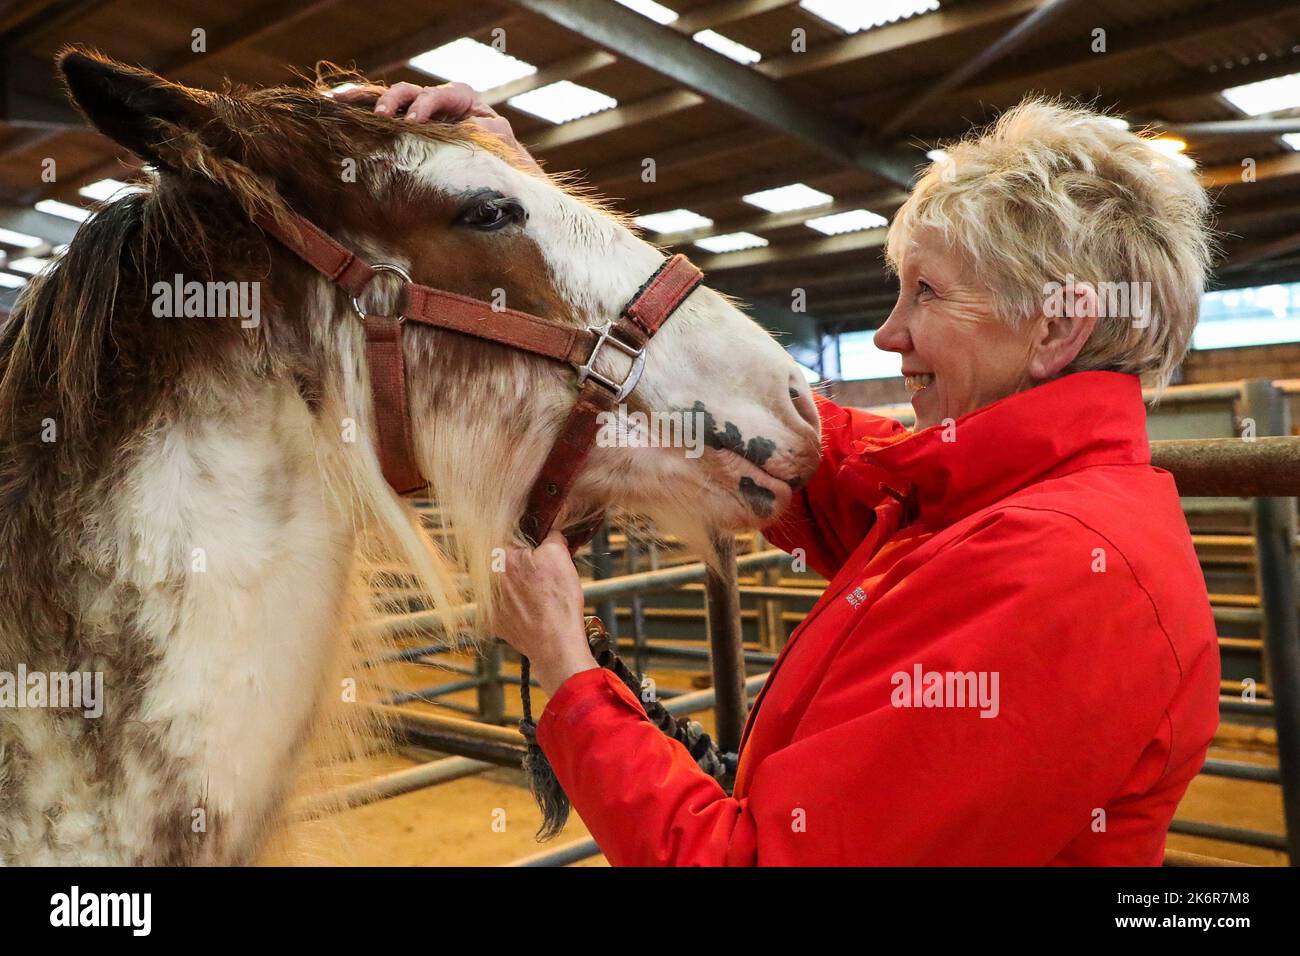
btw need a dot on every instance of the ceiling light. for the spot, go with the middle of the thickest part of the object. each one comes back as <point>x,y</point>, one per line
<point>1266,96</point>
<point>11,282</point>
<point>854,15</point>
<point>727,47</point>
<point>786,198</point>
<point>1173,148</point>
<point>563,101</point>
<point>64,210</point>
<point>675,220</point>
<point>854,220</point>
<point>732,242</point>
<point>468,61</point>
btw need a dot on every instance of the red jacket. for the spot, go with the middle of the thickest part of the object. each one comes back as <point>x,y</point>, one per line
<point>1031,550</point>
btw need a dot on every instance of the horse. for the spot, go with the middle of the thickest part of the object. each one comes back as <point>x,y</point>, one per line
<point>189,493</point>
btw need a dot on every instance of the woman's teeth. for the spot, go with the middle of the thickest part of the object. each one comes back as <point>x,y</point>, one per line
<point>915,383</point>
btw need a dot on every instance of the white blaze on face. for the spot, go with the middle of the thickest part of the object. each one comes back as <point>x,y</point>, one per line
<point>708,352</point>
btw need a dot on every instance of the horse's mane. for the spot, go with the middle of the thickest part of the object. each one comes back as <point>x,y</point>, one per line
<point>67,334</point>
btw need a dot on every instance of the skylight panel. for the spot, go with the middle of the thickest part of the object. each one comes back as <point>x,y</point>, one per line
<point>732,242</point>
<point>108,188</point>
<point>855,220</point>
<point>852,16</point>
<point>28,265</point>
<point>63,210</point>
<point>674,220</point>
<point>20,239</point>
<point>727,47</point>
<point>648,8</point>
<point>1266,96</point>
<point>787,198</point>
<point>562,102</point>
<point>467,61</point>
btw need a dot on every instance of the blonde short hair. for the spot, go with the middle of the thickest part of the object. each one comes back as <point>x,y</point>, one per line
<point>1053,193</point>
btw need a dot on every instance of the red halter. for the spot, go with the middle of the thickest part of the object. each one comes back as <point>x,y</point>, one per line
<point>661,296</point>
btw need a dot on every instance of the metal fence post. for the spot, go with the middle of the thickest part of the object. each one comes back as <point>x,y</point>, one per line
<point>602,566</point>
<point>491,691</point>
<point>632,553</point>
<point>1275,535</point>
<point>726,652</point>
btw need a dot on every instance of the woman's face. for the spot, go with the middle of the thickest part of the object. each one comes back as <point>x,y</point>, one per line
<point>957,356</point>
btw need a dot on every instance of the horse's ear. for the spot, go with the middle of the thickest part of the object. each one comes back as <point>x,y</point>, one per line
<point>133,106</point>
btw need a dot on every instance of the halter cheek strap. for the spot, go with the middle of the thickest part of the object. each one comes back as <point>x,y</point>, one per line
<point>643,316</point>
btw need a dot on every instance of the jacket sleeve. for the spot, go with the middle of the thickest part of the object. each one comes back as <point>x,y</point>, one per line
<point>1079,676</point>
<point>821,520</point>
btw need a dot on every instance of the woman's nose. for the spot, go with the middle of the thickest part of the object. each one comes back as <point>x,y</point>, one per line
<point>892,336</point>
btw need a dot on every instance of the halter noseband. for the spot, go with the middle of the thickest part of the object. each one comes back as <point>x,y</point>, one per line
<point>656,300</point>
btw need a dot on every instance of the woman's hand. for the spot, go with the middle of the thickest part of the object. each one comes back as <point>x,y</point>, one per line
<point>540,614</point>
<point>449,103</point>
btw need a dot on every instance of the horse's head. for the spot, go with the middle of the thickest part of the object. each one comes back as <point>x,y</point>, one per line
<point>451,206</point>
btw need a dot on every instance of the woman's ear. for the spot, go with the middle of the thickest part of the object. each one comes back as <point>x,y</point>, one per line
<point>1069,316</point>
<point>136,108</point>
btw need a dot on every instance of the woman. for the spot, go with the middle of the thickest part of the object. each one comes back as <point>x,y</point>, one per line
<point>1015,660</point>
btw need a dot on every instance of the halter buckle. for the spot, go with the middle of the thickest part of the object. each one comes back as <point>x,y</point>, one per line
<point>587,370</point>
<point>379,267</point>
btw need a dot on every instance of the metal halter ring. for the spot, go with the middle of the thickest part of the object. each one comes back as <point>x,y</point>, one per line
<point>381,267</point>
<point>587,369</point>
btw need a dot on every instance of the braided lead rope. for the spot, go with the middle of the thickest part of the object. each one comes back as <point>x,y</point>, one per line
<point>545,787</point>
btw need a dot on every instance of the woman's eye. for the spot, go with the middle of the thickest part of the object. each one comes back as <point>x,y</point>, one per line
<point>923,288</point>
<point>491,211</point>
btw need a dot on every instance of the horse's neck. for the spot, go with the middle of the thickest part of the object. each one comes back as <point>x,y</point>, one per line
<point>228,566</point>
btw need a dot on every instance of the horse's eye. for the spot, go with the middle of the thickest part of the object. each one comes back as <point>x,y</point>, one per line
<point>489,211</point>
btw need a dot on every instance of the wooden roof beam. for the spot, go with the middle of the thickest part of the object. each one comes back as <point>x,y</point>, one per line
<point>759,221</point>
<point>786,252</point>
<point>894,37</point>
<point>708,74</point>
<point>1033,23</point>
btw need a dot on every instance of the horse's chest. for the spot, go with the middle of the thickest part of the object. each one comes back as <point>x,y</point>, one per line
<point>242,567</point>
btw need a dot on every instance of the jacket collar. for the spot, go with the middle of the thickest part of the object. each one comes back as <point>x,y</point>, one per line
<point>949,472</point>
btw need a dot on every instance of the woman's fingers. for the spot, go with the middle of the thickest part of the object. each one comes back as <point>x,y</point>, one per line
<point>451,102</point>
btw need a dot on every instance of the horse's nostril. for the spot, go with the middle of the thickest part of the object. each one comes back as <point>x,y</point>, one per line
<point>801,396</point>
